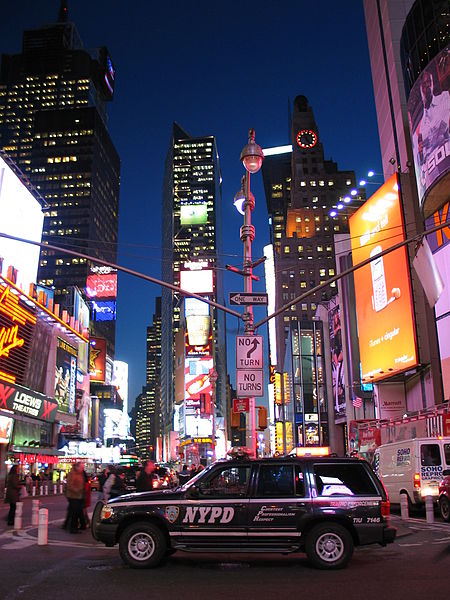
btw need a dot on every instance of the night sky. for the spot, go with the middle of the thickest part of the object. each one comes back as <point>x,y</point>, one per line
<point>217,68</point>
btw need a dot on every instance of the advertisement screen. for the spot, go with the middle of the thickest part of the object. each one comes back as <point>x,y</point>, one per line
<point>97,360</point>
<point>197,282</point>
<point>429,113</point>
<point>440,246</point>
<point>20,215</point>
<point>104,310</point>
<point>6,424</point>
<point>193,214</point>
<point>65,376</point>
<point>337,363</point>
<point>194,307</point>
<point>102,285</point>
<point>197,381</point>
<point>17,327</point>
<point>384,312</point>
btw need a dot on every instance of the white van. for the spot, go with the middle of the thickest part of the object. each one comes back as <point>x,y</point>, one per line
<point>413,467</point>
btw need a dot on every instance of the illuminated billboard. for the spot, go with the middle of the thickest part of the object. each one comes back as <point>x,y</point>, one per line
<point>17,324</point>
<point>97,360</point>
<point>65,376</point>
<point>21,216</point>
<point>337,363</point>
<point>104,310</point>
<point>197,384</point>
<point>197,282</point>
<point>384,307</point>
<point>429,113</point>
<point>197,323</point>
<point>193,214</point>
<point>6,424</point>
<point>103,285</point>
<point>439,242</point>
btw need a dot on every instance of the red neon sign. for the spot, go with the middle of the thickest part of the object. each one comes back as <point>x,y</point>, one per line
<point>16,329</point>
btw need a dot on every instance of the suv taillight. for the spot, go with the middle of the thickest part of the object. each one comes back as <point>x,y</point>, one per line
<point>385,509</point>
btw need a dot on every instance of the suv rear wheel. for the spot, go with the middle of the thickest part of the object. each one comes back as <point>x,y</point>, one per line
<point>444,508</point>
<point>142,545</point>
<point>329,546</point>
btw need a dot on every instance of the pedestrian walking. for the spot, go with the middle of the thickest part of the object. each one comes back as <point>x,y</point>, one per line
<point>12,493</point>
<point>119,486</point>
<point>75,496</point>
<point>87,497</point>
<point>144,483</point>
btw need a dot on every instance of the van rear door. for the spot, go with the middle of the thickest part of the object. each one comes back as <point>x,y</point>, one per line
<point>431,467</point>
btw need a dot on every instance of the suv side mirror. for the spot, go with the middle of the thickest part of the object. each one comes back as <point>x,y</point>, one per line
<point>446,472</point>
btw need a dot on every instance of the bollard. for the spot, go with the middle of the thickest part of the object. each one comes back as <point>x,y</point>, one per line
<point>60,488</point>
<point>429,508</point>
<point>43,527</point>
<point>34,512</point>
<point>46,489</point>
<point>18,516</point>
<point>54,489</point>
<point>33,491</point>
<point>404,509</point>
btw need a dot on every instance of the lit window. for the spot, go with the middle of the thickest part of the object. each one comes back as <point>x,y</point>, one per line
<point>331,272</point>
<point>313,183</point>
<point>286,250</point>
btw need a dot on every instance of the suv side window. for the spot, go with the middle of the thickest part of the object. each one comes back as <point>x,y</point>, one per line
<point>229,482</point>
<point>275,481</point>
<point>344,480</point>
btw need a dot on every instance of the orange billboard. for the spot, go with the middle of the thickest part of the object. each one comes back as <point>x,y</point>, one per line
<point>384,308</point>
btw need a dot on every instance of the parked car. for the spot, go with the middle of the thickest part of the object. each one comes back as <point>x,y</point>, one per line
<point>444,496</point>
<point>321,506</point>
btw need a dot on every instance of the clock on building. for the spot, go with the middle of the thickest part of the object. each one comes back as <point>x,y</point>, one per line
<point>306,138</point>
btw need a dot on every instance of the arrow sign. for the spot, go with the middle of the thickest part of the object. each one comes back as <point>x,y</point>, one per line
<point>249,352</point>
<point>243,298</point>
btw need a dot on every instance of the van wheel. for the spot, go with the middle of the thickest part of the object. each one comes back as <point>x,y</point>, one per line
<point>142,545</point>
<point>444,507</point>
<point>329,546</point>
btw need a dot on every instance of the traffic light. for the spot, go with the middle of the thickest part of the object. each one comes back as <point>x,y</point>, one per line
<point>262,418</point>
<point>235,419</point>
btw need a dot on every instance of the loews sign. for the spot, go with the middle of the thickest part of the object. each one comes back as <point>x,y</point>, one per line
<point>26,402</point>
<point>17,323</point>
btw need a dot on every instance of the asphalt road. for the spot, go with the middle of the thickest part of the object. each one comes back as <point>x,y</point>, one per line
<point>75,567</point>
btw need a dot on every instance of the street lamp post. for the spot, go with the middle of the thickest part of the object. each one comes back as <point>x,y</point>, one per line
<point>252,157</point>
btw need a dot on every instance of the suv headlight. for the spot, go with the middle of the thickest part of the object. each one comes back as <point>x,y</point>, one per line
<point>107,512</point>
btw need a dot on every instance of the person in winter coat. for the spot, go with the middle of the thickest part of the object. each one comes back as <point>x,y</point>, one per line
<point>75,489</point>
<point>144,483</point>
<point>12,493</point>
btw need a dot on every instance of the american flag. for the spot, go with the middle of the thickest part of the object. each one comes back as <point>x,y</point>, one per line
<point>357,401</point>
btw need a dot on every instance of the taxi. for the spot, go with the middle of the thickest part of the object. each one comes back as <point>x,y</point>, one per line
<point>322,506</point>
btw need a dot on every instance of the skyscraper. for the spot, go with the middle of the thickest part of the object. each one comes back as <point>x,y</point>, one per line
<point>309,201</point>
<point>191,240</point>
<point>53,99</point>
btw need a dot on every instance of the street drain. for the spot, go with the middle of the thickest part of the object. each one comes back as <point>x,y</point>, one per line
<point>237,565</point>
<point>100,568</point>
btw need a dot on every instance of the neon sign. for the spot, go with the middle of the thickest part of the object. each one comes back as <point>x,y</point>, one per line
<point>16,329</point>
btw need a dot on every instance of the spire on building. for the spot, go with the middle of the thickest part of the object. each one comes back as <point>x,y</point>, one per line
<point>63,12</point>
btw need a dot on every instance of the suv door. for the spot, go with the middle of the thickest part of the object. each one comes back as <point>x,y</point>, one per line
<point>215,511</point>
<point>277,505</point>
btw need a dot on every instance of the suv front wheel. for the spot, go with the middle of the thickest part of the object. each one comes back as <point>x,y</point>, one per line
<point>329,546</point>
<point>142,545</point>
<point>444,508</point>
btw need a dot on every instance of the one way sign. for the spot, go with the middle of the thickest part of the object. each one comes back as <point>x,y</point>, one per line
<point>249,352</point>
<point>245,298</point>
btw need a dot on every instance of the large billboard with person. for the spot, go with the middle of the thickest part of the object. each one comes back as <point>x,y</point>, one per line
<point>429,114</point>
<point>65,376</point>
<point>384,307</point>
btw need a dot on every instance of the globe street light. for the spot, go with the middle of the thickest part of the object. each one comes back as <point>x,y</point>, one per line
<point>252,158</point>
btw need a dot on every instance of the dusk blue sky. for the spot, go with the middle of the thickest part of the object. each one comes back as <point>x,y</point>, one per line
<point>217,68</point>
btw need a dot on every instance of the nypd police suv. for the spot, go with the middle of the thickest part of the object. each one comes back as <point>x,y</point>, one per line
<point>321,506</point>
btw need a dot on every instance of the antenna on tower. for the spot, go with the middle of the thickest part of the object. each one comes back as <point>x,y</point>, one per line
<point>63,12</point>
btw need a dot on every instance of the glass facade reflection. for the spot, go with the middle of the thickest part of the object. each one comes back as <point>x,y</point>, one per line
<point>304,391</point>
